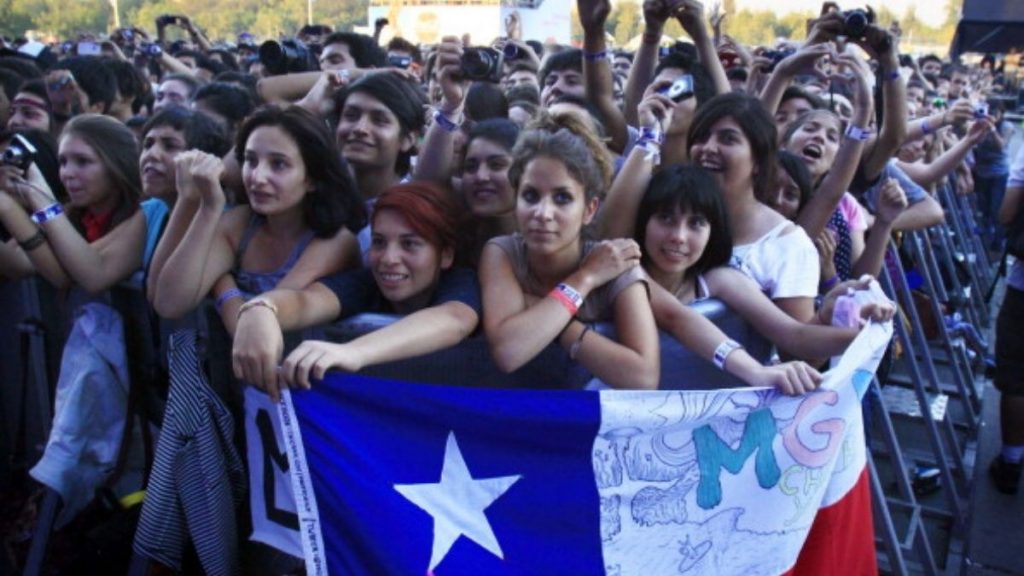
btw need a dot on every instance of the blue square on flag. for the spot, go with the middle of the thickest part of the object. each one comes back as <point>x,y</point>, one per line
<point>513,462</point>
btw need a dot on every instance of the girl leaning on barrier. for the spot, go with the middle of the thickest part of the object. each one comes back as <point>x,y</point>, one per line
<point>679,219</point>
<point>411,272</point>
<point>547,283</point>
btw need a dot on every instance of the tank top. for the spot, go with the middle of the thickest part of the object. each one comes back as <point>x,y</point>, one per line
<point>252,283</point>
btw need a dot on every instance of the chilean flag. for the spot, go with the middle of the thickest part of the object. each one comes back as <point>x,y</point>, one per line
<point>399,478</point>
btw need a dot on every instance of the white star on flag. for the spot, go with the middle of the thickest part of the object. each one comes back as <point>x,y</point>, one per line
<point>457,504</point>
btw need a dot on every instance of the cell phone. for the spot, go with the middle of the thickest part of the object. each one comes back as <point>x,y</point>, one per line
<point>57,85</point>
<point>681,89</point>
<point>402,62</point>
<point>89,49</point>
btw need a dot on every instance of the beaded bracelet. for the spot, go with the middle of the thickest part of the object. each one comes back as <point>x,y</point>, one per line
<point>595,56</point>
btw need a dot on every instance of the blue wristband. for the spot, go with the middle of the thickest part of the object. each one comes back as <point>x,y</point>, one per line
<point>48,213</point>
<point>227,295</point>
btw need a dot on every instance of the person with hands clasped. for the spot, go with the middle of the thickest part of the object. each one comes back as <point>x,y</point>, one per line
<point>297,227</point>
<point>546,283</point>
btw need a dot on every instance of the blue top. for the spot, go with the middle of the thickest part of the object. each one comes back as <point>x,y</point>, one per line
<point>155,212</point>
<point>990,160</point>
<point>252,283</point>
<point>357,291</point>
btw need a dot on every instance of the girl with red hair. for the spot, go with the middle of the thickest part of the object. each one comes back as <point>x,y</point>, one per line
<point>411,273</point>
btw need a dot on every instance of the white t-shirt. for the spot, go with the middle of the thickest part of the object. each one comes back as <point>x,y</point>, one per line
<point>783,262</point>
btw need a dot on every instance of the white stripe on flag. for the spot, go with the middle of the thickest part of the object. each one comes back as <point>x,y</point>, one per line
<point>302,487</point>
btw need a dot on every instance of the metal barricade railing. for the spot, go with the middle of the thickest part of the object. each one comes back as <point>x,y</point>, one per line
<point>945,448</point>
<point>956,355</point>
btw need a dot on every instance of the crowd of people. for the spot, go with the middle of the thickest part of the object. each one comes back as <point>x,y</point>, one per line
<point>516,192</point>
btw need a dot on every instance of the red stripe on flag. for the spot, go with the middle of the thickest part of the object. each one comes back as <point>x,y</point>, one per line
<point>842,534</point>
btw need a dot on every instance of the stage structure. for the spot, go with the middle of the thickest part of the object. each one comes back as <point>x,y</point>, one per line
<point>426,21</point>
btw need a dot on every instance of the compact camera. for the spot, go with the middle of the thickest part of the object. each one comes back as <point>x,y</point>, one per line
<point>20,153</point>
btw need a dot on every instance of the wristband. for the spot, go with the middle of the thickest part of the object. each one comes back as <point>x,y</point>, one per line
<point>891,76</point>
<point>651,38</point>
<point>568,297</point>
<point>575,348</point>
<point>858,134</point>
<point>925,128</point>
<point>48,213</point>
<point>595,56</point>
<point>257,302</point>
<point>728,346</point>
<point>32,242</point>
<point>652,150</point>
<point>227,295</point>
<point>652,134</point>
<point>446,123</point>
<point>828,284</point>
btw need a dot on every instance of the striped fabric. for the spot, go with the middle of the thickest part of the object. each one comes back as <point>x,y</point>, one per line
<point>198,479</point>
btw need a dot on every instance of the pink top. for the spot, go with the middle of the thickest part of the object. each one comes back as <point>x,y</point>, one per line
<point>853,213</point>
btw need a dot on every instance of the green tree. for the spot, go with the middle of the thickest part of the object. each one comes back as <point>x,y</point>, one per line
<point>629,22</point>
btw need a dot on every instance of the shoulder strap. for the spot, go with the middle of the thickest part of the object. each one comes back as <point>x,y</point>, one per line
<point>250,230</point>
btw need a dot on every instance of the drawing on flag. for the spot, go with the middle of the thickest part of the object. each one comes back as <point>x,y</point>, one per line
<point>398,478</point>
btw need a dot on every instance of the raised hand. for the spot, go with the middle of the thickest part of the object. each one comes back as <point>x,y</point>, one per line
<point>593,13</point>
<point>449,72</point>
<point>892,201</point>
<point>655,110</point>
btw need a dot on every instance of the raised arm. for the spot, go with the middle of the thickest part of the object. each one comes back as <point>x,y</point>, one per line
<point>597,70</point>
<point>203,255</point>
<point>437,152</point>
<point>892,201</point>
<point>893,131</point>
<point>928,174</point>
<point>960,112</point>
<point>185,209</point>
<point>622,202</point>
<point>786,70</point>
<point>691,17</point>
<point>645,61</point>
<point>815,215</point>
